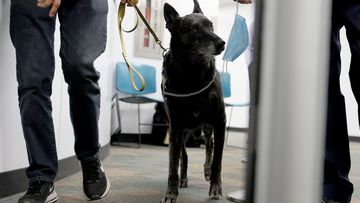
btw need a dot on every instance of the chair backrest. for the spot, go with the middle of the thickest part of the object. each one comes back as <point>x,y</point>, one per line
<point>123,81</point>
<point>225,84</point>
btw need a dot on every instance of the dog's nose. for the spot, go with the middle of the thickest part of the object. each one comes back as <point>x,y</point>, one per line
<point>220,45</point>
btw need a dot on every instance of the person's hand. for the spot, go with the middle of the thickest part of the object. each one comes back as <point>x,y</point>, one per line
<point>55,4</point>
<point>244,1</point>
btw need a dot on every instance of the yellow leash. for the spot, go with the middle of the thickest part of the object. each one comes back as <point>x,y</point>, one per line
<point>121,14</point>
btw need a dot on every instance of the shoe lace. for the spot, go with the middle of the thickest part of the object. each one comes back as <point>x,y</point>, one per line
<point>92,169</point>
<point>36,188</point>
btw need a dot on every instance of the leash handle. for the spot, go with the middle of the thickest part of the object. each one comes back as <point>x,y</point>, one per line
<point>121,14</point>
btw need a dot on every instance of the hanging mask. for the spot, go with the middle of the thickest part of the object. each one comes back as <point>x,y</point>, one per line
<point>238,39</point>
<point>225,84</point>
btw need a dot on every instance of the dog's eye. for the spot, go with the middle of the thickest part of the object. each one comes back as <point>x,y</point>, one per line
<point>209,24</point>
<point>193,31</point>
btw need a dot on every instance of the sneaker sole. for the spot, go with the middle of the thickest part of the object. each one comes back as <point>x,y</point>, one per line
<point>103,195</point>
<point>52,197</point>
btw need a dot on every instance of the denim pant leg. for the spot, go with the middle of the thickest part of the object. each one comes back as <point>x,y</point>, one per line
<point>352,26</point>
<point>83,39</point>
<point>337,185</point>
<point>32,34</point>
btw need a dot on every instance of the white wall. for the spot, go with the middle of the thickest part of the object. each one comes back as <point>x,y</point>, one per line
<point>11,141</point>
<point>12,145</point>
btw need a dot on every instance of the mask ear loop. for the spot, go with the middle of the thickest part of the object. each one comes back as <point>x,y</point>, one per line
<point>237,7</point>
<point>225,67</point>
<point>225,70</point>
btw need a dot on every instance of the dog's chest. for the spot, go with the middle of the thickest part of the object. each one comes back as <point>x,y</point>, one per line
<point>190,110</point>
<point>195,87</point>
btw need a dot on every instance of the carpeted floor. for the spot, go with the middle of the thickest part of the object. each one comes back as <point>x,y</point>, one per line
<point>140,176</point>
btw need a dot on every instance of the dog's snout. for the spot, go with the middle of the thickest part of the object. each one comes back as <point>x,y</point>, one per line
<point>220,46</point>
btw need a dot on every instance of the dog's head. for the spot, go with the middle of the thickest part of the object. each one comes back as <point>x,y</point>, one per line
<point>193,32</point>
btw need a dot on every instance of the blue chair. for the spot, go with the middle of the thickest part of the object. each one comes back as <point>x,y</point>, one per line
<point>225,84</point>
<point>130,95</point>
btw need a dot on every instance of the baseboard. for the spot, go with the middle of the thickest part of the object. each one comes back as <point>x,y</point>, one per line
<point>354,138</point>
<point>16,181</point>
<point>237,129</point>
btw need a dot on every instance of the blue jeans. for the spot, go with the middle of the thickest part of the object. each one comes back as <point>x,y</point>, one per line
<point>337,185</point>
<point>83,39</point>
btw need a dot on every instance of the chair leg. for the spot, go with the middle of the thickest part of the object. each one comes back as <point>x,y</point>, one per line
<point>115,103</point>
<point>139,133</point>
<point>227,127</point>
<point>118,113</point>
<point>243,130</point>
<point>124,144</point>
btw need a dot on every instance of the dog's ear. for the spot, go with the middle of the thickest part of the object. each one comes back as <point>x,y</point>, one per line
<point>171,16</point>
<point>197,8</point>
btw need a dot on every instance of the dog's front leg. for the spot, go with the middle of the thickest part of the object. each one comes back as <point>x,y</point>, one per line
<point>183,166</point>
<point>175,144</point>
<point>215,191</point>
<point>207,130</point>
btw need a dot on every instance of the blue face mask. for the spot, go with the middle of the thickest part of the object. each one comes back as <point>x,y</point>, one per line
<point>238,39</point>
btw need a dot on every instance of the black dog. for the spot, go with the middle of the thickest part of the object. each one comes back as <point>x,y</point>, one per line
<point>193,97</point>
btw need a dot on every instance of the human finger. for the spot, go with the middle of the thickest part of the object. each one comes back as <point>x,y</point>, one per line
<point>54,8</point>
<point>44,3</point>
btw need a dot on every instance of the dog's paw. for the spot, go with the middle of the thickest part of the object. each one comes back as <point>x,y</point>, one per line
<point>207,172</point>
<point>169,198</point>
<point>183,183</point>
<point>215,191</point>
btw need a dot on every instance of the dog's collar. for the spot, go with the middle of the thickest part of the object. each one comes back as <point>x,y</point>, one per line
<point>167,93</point>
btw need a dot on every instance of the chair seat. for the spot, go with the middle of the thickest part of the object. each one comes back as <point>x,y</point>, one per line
<point>137,99</point>
<point>237,104</point>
